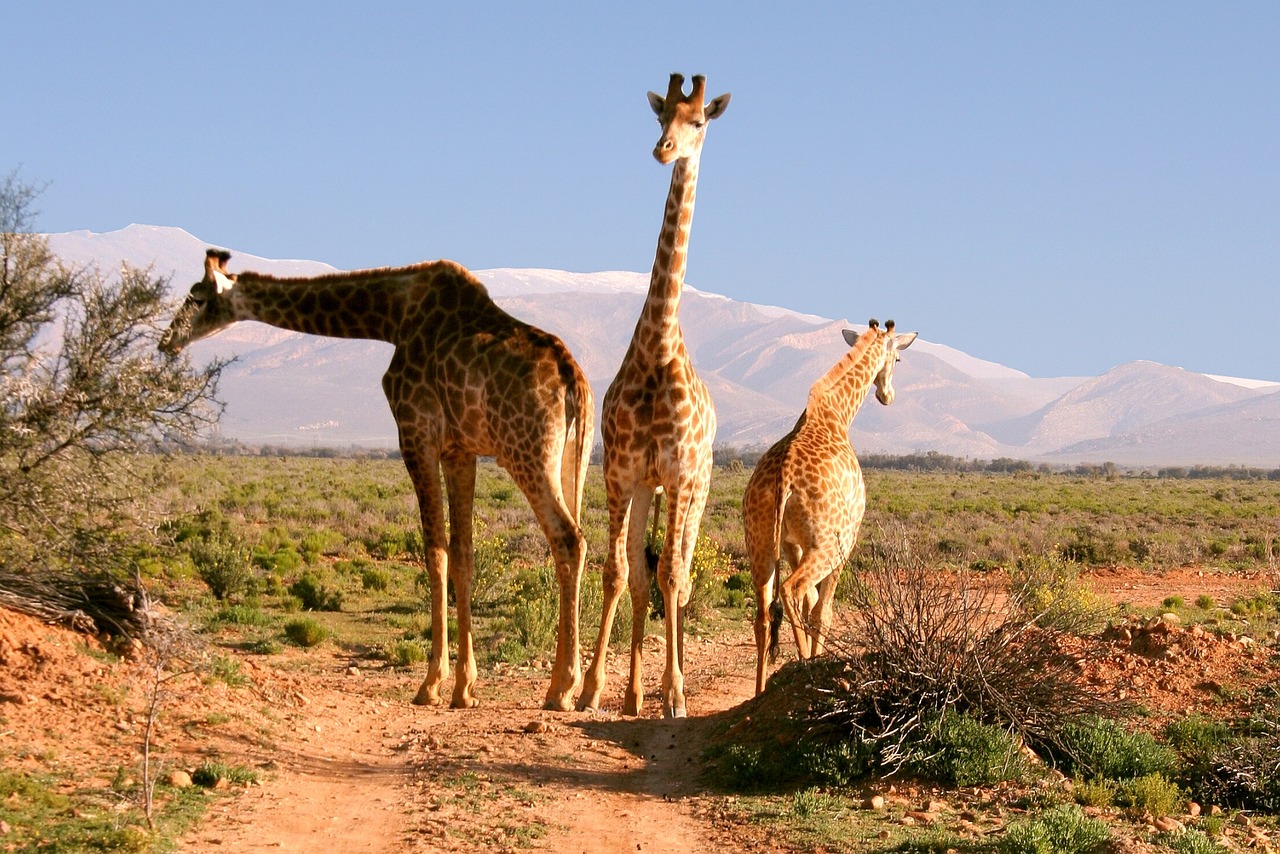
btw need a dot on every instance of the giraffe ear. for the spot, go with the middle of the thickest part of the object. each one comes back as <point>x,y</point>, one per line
<point>716,108</point>
<point>657,102</point>
<point>904,340</point>
<point>850,337</point>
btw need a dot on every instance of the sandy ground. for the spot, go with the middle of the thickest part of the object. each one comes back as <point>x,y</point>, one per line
<point>346,764</point>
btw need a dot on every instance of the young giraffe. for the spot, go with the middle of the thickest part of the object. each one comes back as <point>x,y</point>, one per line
<point>466,380</point>
<point>805,499</point>
<point>658,423</point>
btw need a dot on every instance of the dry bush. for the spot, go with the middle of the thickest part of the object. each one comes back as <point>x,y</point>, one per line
<point>919,642</point>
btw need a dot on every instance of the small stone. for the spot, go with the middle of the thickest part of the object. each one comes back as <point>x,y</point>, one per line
<point>1241,819</point>
<point>884,834</point>
<point>536,726</point>
<point>875,802</point>
<point>1193,809</point>
<point>935,806</point>
<point>924,816</point>
<point>1168,824</point>
<point>1169,618</point>
<point>353,671</point>
<point>178,779</point>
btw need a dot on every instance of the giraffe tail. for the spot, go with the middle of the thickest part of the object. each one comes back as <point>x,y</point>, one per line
<point>775,623</point>
<point>775,607</point>
<point>580,412</point>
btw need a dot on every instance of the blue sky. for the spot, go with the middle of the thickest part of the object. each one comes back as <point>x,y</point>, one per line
<point>1057,187</point>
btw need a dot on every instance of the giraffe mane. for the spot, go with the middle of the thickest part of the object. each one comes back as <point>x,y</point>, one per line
<point>845,363</point>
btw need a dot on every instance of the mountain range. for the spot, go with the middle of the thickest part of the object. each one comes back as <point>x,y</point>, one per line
<point>758,361</point>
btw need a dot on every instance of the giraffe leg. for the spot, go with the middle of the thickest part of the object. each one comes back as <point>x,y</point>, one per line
<point>460,481</point>
<point>626,529</point>
<point>568,551</point>
<point>820,614</point>
<point>798,595</point>
<point>638,578</point>
<point>683,520</point>
<point>424,471</point>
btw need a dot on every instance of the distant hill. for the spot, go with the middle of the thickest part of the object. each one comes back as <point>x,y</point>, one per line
<point>758,361</point>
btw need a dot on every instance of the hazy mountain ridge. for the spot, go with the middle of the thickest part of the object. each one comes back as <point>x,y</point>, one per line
<point>758,361</point>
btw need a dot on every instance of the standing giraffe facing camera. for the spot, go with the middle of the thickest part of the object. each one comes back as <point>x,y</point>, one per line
<point>658,423</point>
<point>466,380</point>
<point>805,499</point>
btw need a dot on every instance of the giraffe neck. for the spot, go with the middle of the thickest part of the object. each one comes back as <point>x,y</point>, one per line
<point>835,398</point>
<point>658,330</point>
<point>359,306</point>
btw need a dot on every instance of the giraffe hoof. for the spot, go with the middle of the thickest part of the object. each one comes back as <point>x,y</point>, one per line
<point>464,703</point>
<point>427,697</point>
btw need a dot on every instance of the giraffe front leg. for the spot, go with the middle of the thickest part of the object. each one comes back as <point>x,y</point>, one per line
<point>675,582</point>
<point>460,480</point>
<point>438,661</point>
<point>424,471</point>
<point>623,513</point>
<point>638,582</point>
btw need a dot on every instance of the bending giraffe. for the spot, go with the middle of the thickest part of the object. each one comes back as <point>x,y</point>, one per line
<point>658,423</point>
<point>805,499</point>
<point>466,380</point>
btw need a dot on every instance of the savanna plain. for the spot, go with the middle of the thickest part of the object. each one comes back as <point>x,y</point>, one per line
<point>1023,660</point>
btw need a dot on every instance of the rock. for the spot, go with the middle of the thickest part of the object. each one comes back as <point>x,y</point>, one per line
<point>1167,824</point>
<point>536,726</point>
<point>875,802</point>
<point>924,816</point>
<point>935,806</point>
<point>1193,809</point>
<point>1170,619</point>
<point>1241,819</point>
<point>178,779</point>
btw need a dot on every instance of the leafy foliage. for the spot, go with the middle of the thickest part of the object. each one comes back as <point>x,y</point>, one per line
<point>84,389</point>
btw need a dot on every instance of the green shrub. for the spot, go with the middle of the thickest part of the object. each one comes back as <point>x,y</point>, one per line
<point>535,616</point>
<point>1102,747</point>
<point>375,578</point>
<point>840,763</point>
<point>1151,793</point>
<point>1196,733</point>
<point>1058,830</point>
<point>1172,603</point>
<point>209,773</point>
<point>961,751</point>
<point>1051,591</point>
<point>227,670</point>
<point>305,632</point>
<point>242,615</point>
<point>223,565</point>
<point>1205,602</point>
<point>1189,842</point>
<point>319,543</point>
<point>283,559</point>
<point>314,595</point>
<point>405,653</point>
<point>1094,792</point>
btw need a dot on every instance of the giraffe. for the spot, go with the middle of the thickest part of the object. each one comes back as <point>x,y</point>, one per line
<point>805,499</point>
<point>658,423</point>
<point>466,380</point>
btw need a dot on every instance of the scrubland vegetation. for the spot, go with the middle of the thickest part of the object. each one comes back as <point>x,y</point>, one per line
<point>961,611</point>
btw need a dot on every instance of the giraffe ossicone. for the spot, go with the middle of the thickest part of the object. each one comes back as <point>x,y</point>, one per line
<point>658,424</point>
<point>804,501</point>
<point>466,380</point>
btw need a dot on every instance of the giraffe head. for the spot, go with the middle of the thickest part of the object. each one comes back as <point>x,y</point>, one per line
<point>684,118</point>
<point>207,308</point>
<point>885,354</point>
